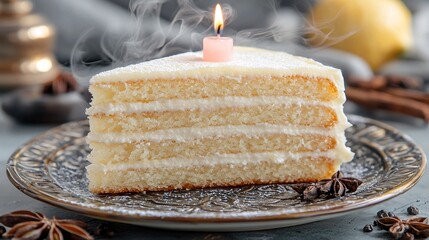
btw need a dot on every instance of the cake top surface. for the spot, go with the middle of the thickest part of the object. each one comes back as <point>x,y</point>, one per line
<point>245,61</point>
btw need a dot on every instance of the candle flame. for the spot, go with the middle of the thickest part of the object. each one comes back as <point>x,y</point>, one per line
<point>218,19</point>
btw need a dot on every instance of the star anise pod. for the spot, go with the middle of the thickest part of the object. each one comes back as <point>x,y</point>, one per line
<point>339,185</point>
<point>408,236</point>
<point>309,192</point>
<point>403,229</point>
<point>33,225</point>
<point>419,226</point>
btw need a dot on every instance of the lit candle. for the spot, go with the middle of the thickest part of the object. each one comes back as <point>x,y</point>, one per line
<point>217,48</point>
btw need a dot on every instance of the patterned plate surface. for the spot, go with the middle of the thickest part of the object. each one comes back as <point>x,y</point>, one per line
<point>51,168</point>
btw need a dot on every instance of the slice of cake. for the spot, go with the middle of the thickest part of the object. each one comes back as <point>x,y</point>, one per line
<point>181,123</point>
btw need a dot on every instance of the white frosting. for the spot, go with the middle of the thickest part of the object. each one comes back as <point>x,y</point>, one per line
<point>203,104</point>
<point>242,158</point>
<point>245,61</point>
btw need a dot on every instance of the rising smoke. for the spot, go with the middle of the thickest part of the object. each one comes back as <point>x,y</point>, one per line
<point>150,36</point>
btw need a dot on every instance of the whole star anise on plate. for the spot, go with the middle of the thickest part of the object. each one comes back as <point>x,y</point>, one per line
<point>309,192</point>
<point>405,229</point>
<point>33,225</point>
<point>337,186</point>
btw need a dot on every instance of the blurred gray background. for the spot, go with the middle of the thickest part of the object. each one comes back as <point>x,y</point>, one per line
<point>98,30</point>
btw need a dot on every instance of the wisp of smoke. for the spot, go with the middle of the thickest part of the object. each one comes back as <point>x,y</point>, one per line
<point>320,33</point>
<point>149,36</point>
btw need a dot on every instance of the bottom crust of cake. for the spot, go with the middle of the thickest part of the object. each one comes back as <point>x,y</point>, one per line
<point>309,169</point>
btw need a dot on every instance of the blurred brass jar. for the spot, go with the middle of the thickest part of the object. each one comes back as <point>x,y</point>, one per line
<point>26,42</point>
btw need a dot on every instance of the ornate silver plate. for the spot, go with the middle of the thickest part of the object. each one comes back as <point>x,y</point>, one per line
<point>51,168</point>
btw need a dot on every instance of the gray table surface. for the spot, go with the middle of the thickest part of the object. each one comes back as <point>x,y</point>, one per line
<point>12,135</point>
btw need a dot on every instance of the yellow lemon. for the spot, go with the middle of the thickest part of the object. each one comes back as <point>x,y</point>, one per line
<point>376,30</point>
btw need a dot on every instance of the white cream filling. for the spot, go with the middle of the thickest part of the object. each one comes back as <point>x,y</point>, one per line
<point>205,104</point>
<point>235,159</point>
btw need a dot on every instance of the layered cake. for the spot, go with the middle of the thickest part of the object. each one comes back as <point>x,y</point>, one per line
<point>182,123</point>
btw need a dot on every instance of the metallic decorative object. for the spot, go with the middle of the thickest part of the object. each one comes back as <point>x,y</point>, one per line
<point>26,42</point>
<point>51,168</point>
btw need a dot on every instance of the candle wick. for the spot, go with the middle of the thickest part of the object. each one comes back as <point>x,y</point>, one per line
<point>219,27</point>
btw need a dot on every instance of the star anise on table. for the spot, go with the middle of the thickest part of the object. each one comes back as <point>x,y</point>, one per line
<point>335,187</point>
<point>405,229</point>
<point>33,225</point>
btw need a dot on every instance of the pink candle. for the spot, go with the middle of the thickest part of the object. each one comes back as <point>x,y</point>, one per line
<point>217,48</point>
